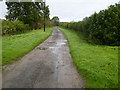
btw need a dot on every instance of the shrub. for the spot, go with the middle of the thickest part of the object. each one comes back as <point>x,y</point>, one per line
<point>14,27</point>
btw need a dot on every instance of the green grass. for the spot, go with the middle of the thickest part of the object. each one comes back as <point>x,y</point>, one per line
<point>15,46</point>
<point>97,64</point>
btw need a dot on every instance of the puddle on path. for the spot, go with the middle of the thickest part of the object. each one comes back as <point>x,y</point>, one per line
<point>42,48</point>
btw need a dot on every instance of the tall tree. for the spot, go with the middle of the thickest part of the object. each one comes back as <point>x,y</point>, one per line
<point>31,13</point>
<point>55,20</point>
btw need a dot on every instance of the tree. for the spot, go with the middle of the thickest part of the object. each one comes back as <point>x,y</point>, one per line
<point>55,20</point>
<point>31,13</point>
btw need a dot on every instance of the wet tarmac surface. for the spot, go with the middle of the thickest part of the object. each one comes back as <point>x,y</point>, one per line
<point>49,65</point>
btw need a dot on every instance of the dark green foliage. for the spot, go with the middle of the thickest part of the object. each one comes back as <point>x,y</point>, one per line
<point>31,13</point>
<point>100,28</point>
<point>24,16</point>
<point>14,27</point>
<point>55,21</point>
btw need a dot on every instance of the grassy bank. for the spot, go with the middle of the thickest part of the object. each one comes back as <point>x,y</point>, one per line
<point>97,64</point>
<point>15,46</point>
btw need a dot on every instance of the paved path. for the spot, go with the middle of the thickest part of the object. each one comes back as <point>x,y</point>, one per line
<point>49,65</point>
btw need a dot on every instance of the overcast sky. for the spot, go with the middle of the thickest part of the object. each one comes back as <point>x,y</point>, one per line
<point>71,10</point>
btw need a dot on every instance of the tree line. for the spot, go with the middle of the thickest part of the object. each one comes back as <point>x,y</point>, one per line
<point>24,16</point>
<point>100,28</point>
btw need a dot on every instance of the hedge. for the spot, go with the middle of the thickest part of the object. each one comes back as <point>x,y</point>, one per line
<point>101,28</point>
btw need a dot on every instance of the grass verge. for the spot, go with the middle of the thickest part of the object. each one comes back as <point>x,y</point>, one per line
<point>15,46</point>
<point>97,64</point>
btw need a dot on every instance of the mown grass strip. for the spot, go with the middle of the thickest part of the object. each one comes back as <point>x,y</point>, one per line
<point>15,46</point>
<point>97,64</point>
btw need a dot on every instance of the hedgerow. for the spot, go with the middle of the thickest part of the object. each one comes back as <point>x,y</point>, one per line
<point>14,27</point>
<point>100,28</point>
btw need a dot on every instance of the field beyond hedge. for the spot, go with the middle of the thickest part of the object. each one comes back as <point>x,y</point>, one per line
<point>97,64</point>
<point>15,46</point>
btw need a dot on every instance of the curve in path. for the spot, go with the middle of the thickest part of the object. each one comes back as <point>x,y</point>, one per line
<point>49,65</point>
